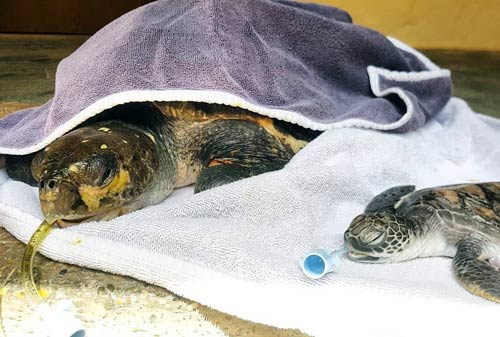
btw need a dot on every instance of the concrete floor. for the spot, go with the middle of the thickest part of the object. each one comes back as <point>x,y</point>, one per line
<point>112,305</point>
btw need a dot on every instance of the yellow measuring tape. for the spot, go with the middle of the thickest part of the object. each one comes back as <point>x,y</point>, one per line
<point>27,278</point>
<point>58,319</point>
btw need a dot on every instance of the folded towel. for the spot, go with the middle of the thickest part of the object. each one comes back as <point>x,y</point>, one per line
<point>303,63</point>
<point>237,248</point>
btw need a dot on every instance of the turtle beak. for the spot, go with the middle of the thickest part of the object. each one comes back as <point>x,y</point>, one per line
<point>360,257</point>
<point>58,199</point>
<point>358,252</point>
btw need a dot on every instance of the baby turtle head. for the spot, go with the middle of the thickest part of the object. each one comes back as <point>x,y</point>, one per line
<point>380,237</point>
<point>95,172</point>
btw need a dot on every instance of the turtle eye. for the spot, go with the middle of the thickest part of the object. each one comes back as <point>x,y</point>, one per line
<point>99,170</point>
<point>106,176</point>
<point>372,237</point>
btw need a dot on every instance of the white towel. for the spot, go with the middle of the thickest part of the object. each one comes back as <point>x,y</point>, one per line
<point>236,248</point>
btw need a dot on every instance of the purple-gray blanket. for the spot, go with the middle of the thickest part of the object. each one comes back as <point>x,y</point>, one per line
<point>304,63</point>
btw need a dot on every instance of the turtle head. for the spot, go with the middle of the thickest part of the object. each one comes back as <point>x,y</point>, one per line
<point>95,172</point>
<point>379,237</point>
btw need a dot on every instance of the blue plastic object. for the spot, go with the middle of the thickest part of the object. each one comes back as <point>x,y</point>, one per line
<point>58,321</point>
<point>321,261</point>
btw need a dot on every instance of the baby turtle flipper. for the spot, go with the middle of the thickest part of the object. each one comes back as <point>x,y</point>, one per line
<point>222,174</point>
<point>385,201</point>
<point>19,168</point>
<point>474,272</point>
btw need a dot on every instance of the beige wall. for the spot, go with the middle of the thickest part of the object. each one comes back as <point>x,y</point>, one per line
<point>457,24</point>
<point>453,24</point>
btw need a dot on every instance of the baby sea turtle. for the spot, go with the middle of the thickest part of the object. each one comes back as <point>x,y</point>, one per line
<point>459,221</point>
<point>135,154</point>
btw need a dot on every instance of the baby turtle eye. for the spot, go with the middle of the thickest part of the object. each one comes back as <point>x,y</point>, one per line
<point>372,237</point>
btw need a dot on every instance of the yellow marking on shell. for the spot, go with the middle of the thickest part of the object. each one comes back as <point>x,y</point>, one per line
<point>104,129</point>
<point>187,111</point>
<point>150,136</point>
<point>485,212</point>
<point>125,141</point>
<point>268,124</point>
<point>474,190</point>
<point>495,185</point>
<point>73,168</point>
<point>85,141</point>
<point>104,147</point>
<point>92,195</point>
<point>216,162</point>
<point>449,195</point>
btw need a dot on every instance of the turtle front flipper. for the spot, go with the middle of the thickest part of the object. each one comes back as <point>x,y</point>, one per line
<point>221,174</point>
<point>473,270</point>
<point>386,200</point>
<point>237,149</point>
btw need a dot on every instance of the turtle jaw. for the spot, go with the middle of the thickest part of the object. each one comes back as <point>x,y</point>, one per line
<point>59,199</point>
<point>55,212</point>
<point>66,217</point>
<point>364,252</point>
<point>63,223</point>
<point>68,205</point>
<point>107,214</point>
<point>360,257</point>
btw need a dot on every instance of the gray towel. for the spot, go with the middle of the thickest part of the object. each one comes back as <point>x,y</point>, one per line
<point>303,63</point>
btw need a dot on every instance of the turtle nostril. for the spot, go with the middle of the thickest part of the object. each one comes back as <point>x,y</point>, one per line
<point>346,236</point>
<point>48,184</point>
<point>51,184</point>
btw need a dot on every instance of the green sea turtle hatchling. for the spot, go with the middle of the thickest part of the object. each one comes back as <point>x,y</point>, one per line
<point>135,154</point>
<point>459,221</point>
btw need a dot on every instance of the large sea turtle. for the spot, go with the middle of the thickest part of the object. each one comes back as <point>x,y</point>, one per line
<point>459,221</point>
<point>135,154</point>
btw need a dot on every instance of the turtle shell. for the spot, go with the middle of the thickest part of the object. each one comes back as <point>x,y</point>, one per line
<point>467,208</point>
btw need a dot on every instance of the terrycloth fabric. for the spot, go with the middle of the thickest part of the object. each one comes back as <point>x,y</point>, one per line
<point>303,63</point>
<point>236,248</point>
